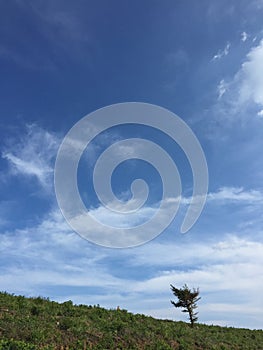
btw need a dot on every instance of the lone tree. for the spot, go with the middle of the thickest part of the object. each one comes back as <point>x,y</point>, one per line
<point>187,299</point>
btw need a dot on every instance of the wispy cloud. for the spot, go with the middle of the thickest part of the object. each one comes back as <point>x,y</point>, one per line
<point>228,195</point>
<point>250,77</point>
<point>109,227</point>
<point>236,194</point>
<point>222,53</point>
<point>41,170</point>
<point>244,36</point>
<point>238,97</point>
<point>221,88</point>
<point>32,155</point>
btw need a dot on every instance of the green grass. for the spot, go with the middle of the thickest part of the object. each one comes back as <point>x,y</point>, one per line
<point>37,323</point>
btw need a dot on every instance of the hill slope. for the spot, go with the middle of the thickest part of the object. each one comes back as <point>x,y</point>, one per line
<point>37,323</point>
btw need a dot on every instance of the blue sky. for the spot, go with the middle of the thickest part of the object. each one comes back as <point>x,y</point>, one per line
<point>61,60</point>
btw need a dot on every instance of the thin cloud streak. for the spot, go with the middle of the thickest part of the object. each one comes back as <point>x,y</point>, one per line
<point>33,155</point>
<point>222,53</point>
<point>244,36</point>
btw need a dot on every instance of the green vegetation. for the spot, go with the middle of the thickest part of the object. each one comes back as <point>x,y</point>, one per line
<point>37,323</point>
<point>187,299</point>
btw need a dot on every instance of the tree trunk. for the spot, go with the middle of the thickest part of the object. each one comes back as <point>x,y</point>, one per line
<point>191,316</point>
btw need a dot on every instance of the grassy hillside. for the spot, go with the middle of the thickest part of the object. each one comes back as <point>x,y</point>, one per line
<point>37,323</point>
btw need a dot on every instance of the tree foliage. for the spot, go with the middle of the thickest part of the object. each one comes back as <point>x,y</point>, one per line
<point>187,300</point>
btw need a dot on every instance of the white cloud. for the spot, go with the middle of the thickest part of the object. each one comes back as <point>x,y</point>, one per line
<point>32,155</point>
<point>244,36</point>
<point>250,77</point>
<point>213,278</point>
<point>41,171</point>
<point>49,254</point>
<point>227,195</point>
<point>229,250</point>
<point>260,113</point>
<point>113,227</point>
<point>222,53</point>
<point>110,229</point>
<point>221,88</point>
<point>236,194</point>
<point>238,97</point>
